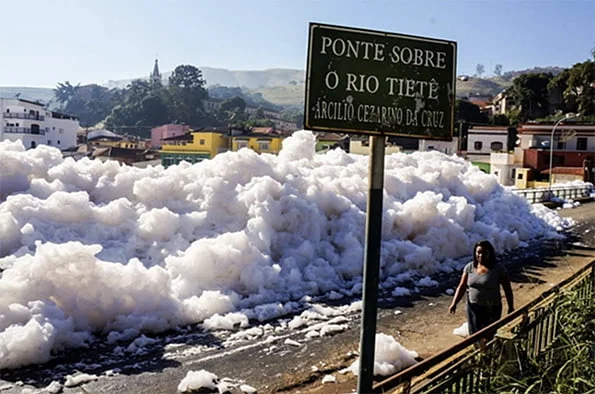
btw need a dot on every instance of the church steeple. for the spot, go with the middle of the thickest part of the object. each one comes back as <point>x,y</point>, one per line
<point>155,76</point>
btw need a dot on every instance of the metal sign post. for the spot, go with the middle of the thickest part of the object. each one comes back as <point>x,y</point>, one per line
<point>371,266</point>
<point>380,84</point>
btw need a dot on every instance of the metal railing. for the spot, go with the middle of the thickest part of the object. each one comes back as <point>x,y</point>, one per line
<point>544,194</point>
<point>472,365</point>
<point>23,130</point>
<point>13,115</point>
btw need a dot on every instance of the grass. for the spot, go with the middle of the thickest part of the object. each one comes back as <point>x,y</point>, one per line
<point>569,366</point>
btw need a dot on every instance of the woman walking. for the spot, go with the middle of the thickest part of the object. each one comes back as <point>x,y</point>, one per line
<point>481,280</point>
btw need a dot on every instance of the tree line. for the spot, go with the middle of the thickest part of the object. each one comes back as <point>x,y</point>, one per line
<point>145,104</point>
<point>541,96</point>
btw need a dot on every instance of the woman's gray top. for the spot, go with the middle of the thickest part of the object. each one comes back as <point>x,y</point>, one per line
<point>484,289</point>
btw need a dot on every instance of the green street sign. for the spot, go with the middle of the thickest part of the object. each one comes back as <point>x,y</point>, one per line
<point>369,82</point>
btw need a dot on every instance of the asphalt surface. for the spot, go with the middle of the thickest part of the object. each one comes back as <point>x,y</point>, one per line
<point>273,364</point>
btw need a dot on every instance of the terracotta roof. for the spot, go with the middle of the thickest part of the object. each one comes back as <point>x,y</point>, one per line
<point>330,136</point>
<point>262,130</point>
<point>565,170</point>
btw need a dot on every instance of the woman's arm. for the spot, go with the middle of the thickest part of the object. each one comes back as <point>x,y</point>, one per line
<point>505,282</point>
<point>459,293</point>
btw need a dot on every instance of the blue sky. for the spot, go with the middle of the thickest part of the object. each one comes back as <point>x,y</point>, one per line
<point>92,41</point>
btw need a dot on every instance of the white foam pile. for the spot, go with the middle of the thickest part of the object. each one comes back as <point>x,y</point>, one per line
<point>93,247</point>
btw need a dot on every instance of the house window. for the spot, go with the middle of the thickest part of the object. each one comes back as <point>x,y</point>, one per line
<point>478,145</point>
<point>581,143</point>
<point>496,146</point>
<point>49,142</point>
<point>58,142</point>
<point>561,145</point>
<point>202,142</point>
<point>519,175</point>
<point>242,144</point>
<point>263,145</point>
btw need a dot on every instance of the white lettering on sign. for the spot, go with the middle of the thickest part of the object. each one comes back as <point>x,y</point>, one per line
<point>410,89</point>
<point>354,49</point>
<point>361,83</point>
<point>418,57</point>
<point>367,50</point>
<point>331,80</point>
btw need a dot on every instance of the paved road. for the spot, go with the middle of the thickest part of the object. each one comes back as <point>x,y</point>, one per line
<point>278,365</point>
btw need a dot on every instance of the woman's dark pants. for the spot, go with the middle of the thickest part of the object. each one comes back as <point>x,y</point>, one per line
<point>480,316</point>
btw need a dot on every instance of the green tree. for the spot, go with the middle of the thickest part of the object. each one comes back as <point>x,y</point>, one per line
<point>90,103</point>
<point>137,90</point>
<point>500,120</point>
<point>235,104</point>
<point>187,77</point>
<point>233,112</point>
<point>64,92</point>
<point>558,98</point>
<point>154,111</point>
<point>581,87</point>
<point>187,91</point>
<point>530,92</point>
<point>498,70</point>
<point>480,69</point>
<point>143,105</point>
<point>469,112</point>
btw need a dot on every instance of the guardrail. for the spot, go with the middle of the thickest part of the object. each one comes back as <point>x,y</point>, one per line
<point>15,115</point>
<point>23,130</point>
<point>544,194</point>
<point>472,365</point>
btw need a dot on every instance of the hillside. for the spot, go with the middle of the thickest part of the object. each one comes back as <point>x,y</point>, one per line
<point>480,86</point>
<point>44,95</point>
<point>242,78</point>
<point>284,87</point>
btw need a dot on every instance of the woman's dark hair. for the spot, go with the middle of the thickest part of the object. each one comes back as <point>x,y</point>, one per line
<point>487,247</point>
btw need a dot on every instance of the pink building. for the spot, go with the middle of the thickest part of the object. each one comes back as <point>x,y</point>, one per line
<point>166,131</point>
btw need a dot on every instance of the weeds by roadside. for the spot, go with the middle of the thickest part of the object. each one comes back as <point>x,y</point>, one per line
<point>568,366</point>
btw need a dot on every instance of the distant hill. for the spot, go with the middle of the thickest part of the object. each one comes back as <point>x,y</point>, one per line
<point>510,75</point>
<point>285,87</point>
<point>244,79</point>
<point>43,95</point>
<point>481,87</point>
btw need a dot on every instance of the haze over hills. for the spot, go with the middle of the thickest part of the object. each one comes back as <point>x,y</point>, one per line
<point>250,79</point>
<point>283,87</point>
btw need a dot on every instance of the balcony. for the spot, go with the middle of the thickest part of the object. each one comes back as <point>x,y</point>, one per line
<point>11,115</point>
<point>23,130</point>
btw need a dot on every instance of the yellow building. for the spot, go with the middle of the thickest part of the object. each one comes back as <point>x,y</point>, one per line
<point>193,147</point>
<point>200,145</point>
<point>260,143</point>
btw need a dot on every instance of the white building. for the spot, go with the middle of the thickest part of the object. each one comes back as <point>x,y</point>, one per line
<point>446,147</point>
<point>483,140</point>
<point>567,137</point>
<point>504,166</point>
<point>33,124</point>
